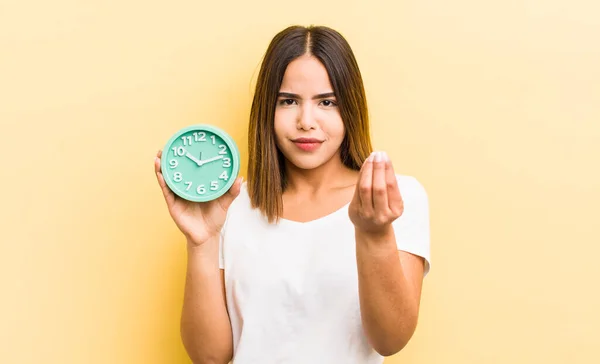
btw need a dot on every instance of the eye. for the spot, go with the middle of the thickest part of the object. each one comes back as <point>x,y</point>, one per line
<point>328,103</point>
<point>287,102</point>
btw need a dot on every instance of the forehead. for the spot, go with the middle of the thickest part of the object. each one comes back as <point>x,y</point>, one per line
<point>306,75</point>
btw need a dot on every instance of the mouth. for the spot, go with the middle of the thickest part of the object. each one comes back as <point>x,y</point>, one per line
<point>307,140</point>
<point>307,144</point>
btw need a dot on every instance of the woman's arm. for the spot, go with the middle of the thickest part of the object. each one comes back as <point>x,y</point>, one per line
<point>205,326</point>
<point>389,280</point>
<point>389,283</point>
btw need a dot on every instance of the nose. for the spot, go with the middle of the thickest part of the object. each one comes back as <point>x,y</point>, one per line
<point>306,118</point>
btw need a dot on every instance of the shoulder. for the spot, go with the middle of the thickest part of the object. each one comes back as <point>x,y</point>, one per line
<point>411,188</point>
<point>241,209</point>
<point>242,217</point>
<point>242,202</point>
<point>414,198</point>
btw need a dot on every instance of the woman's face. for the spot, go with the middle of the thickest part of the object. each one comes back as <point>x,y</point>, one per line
<point>308,126</point>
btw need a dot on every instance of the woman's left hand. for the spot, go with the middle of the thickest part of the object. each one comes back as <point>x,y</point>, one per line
<point>377,201</point>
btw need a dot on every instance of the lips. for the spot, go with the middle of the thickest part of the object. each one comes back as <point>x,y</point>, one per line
<point>307,140</point>
<point>307,144</point>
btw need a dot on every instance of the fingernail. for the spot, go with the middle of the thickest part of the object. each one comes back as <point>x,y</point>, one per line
<point>378,157</point>
<point>384,156</point>
<point>371,157</point>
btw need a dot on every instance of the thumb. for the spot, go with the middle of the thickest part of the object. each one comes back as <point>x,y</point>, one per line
<point>233,192</point>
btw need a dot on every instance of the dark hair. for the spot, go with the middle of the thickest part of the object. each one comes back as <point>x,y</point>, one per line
<point>266,173</point>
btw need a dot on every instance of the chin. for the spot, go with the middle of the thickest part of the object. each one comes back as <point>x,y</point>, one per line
<point>308,162</point>
<point>306,165</point>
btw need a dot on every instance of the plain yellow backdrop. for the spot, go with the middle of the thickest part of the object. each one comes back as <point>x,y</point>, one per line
<point>493,105</point>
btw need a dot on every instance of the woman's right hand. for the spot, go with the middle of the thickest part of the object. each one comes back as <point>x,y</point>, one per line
<point>198,221</point>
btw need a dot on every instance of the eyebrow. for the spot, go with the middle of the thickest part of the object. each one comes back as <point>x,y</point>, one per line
<point>316,97</point>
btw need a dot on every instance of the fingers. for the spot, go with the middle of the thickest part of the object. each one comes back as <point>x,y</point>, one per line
<point>235,189</point>
<point>378,193</point>
<point>365,184</point>
<point>380,197</point>
<point>395,202</point>
<point>157,162</point>
<point>167,193</point>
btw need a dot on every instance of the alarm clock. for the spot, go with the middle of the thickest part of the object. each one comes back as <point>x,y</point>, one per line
<point>200,163</point>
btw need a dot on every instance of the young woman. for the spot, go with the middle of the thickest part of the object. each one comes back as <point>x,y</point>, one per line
<point>319,257</point>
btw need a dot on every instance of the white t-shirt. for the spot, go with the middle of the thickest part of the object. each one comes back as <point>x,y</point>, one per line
<point>292,288</point>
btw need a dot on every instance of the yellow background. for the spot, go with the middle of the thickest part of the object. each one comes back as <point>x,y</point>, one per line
<point>493,106</point>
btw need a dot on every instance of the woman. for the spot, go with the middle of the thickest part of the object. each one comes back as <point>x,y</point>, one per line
<point>319,257</point>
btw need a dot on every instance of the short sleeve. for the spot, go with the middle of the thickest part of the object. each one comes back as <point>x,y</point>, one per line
<point>412,228</point>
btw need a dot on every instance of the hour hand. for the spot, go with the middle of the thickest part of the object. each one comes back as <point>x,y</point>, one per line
<point>187,154</point>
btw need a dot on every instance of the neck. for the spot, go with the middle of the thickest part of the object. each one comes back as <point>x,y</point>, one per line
<point>331,175</point>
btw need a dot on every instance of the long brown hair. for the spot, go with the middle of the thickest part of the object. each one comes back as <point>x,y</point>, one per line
<point>266,172</point>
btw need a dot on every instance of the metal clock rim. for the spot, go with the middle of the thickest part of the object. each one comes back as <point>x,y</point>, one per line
<point>235,161</point>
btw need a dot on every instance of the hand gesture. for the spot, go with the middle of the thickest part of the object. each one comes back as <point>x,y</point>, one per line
<point>198,221</point>
<point>377,201</point>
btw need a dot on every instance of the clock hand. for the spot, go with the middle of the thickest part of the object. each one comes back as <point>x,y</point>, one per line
<point>211,159</point>
<point>187,154</point>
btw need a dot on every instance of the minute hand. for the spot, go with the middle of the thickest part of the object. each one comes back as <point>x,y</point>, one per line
<point>211,159</point>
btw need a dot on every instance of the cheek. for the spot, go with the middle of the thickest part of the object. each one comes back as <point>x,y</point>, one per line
<point>284,120</point>
<point>278,126</point>
<point>335,128</point>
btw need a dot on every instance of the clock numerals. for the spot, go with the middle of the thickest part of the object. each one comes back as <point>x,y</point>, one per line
<point>173,163</point>
<point>222,149</point>
<point>224,176</point>
<point>226,162</point>
<point>214,140</point>
<point>199,136</point>
<point>178,151</point>
<point>201,189</point>
<point>187,140</point>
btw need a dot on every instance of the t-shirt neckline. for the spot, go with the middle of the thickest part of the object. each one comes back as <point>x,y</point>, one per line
<point>318,220</point>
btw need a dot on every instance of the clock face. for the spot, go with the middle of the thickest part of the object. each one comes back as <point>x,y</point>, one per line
<point>200,163</point>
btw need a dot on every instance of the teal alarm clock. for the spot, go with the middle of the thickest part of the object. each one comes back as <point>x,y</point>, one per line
<point>200,163</point>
